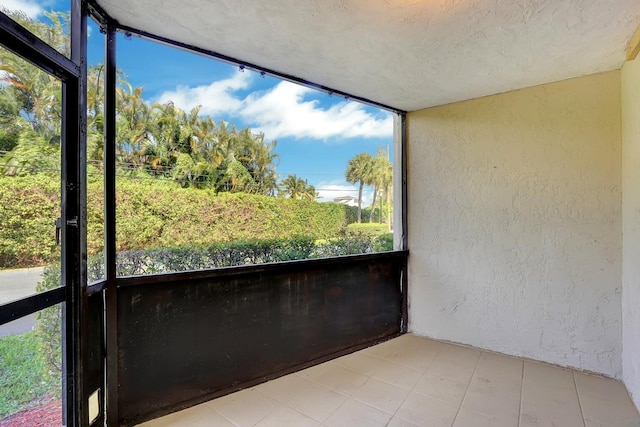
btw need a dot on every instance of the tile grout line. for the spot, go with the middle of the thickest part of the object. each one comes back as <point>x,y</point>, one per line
<point>575,385</point>
<point>521,393</point>
<point>412,388</point>
<point>223,417</point>
<point>475,369</point>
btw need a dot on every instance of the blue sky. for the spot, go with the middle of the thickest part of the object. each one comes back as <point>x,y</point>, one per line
<point>317,133</point>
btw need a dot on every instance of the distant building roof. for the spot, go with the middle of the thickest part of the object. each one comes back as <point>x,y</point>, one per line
<point>346,200</point>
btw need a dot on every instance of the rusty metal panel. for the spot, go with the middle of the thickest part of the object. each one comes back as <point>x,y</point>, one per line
<point>186,338</point>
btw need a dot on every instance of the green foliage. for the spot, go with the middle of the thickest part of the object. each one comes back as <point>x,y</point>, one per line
<point>359,170</point>
<point>376,171</point>
<point>24,374</point>
<point>367,229</point>
<point>343,246</point>
<point>153,214</point>
<point>157,140</point>
<point>297,188</point>
<point>383,243</point>
<point>49,323</point>
<point>28,209</point>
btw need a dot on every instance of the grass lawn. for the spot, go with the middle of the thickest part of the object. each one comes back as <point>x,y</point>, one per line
<point>24,374</point>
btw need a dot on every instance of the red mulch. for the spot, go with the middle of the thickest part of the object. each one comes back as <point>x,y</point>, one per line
<point>42,415</point>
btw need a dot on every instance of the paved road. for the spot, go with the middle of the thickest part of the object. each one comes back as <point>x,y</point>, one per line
<point>16,284</point>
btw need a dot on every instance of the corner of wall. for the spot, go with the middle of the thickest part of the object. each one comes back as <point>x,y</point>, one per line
<point>515,223</point>
<point>630,101</point>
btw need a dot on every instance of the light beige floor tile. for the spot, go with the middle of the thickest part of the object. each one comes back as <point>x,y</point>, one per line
<point>316,401</point>
<point>531,419</point>
<point>353,413</point>
<point>199,415</point>
<point>623,423</point>
<point>409,339</point>
<point>500,366</point>
<point>501,406</point>
<point>441,388</point>
<point>426,411</point>
<point>335,377</point>
<point>415,357</point>
<point>460,352</point>
<point>497,376</point>
<point>549,397</point>
<point>412,381</point>
<point>398,375</point>
<point>605,401</point>
<point>283,389</point>
<point>449,364</point>
<point>476,419</point>
<point>386,350</point>
<point>399,422</point>
<point>244,408</point>
<point>493,392</point>
<point>287,417</point>
<point>381,395</point>
<point>539,379</point>
<point>360,362</point>
<point>422,343</point>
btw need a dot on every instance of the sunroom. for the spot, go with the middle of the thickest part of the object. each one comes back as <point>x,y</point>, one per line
<point>514,268</point>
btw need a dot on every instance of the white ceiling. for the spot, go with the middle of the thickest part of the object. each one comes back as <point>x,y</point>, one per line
<point>408,54</point>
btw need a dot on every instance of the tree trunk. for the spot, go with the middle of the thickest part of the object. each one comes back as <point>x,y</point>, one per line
<point>373,204</point>
<point>388,210</point>
<point>360,202</point>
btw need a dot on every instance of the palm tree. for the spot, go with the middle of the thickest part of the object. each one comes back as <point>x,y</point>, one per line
<point>380,176</point>
<point>358,170</point>
<point>133,126</point>
<point>297,188</point>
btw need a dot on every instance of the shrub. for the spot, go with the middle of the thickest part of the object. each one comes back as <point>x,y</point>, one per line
<point>370,230</point>
<point>153,214</point>
<point>49,323</point>
<point>29,207</point>
<point>383,243</point>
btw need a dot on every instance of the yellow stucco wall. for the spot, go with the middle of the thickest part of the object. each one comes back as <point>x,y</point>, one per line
<point>514,217</point>
<point>631,227</point>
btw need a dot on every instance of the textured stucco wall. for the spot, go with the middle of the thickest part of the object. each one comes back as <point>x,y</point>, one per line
<point>515,223</point>
<point>631,228</point>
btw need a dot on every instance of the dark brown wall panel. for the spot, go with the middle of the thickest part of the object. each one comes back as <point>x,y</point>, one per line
<point>185,338</point>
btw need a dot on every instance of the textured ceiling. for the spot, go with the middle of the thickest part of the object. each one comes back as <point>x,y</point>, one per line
<point>408,54</point>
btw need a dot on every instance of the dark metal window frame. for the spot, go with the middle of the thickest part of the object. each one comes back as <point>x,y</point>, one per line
<point>72,74</point>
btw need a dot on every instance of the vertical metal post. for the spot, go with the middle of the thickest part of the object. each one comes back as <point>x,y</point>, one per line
<point>404,240</point>
<point>73,206</point>
<point>403,159</point>
<point>111,324</point>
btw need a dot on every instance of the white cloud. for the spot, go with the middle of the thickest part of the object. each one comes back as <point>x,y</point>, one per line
<point>282,110</point>
<point>327,191</point>
<point>31,8</point>
<point>215,98</point>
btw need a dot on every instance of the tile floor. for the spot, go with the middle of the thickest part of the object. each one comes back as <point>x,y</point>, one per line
<point>413,381</point>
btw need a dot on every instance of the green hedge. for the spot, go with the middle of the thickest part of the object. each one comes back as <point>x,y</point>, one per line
<point>367,229</point>
<point>153,214</point>
<point>28,209</point>
<point>166,215</point>
<point>216,255</point>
